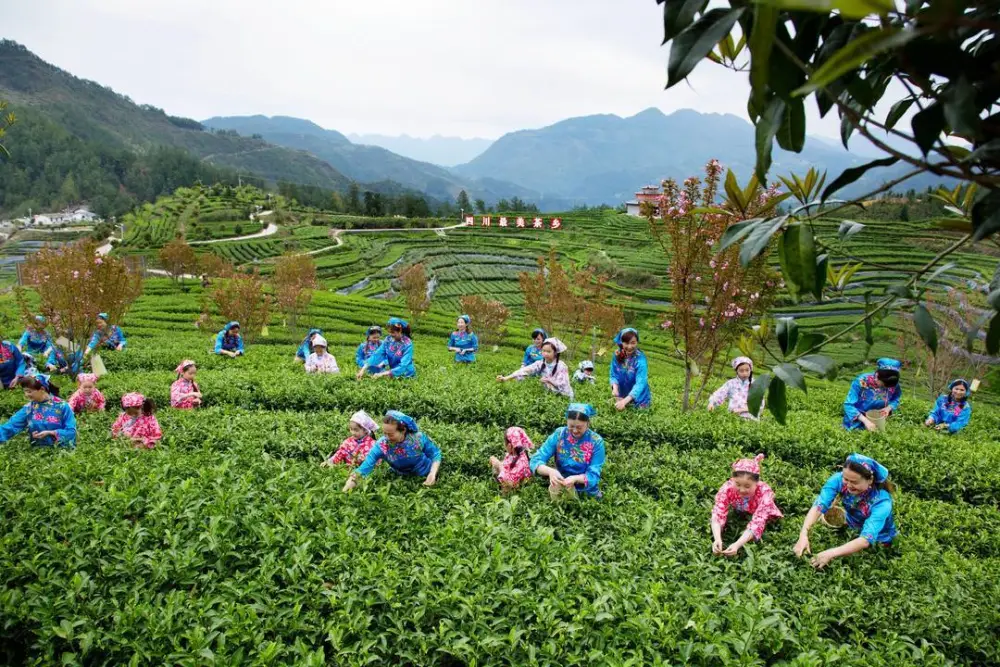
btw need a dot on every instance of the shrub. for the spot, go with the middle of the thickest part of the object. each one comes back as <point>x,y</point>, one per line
<point>488,317</point>
<point>294,281</point>
<point>241,297</point>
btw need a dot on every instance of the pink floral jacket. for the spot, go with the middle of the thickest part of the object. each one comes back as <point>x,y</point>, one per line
<point>178,389</point>
<point>760,506</point>
<point>80,402</point>
<point>557,382</point>
<point>144,430</point>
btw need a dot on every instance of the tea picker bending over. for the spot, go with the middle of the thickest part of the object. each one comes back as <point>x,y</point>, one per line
<point>745,493</point>
<point>229,341</point>
<point>36,339</point>
<point>579,455</point>
<point>584,372</point>
<point>354,450</point>
<point>367,348</point>
<point>320,360</point>
<point>551,371</point>
<point>305,347</point>
<point>137,421</point>
<point>395,353</point>
<point>47,418</point>
<point>11,364</point>
<point>873,391</point>
<point>87,397</point>
<point>407,450</point>
<point>515,467</point>
<point>106,337</point>
<point>629,372</point>
<point>863,488</point>
<point>952,411</point>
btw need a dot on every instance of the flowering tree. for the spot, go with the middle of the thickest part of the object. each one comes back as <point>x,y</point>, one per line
<point>413,285</point>
<point>241,297</point>
<point>488,317</point>
<point>294,281</point>
<point>714,297</point>
<point>74,285</point>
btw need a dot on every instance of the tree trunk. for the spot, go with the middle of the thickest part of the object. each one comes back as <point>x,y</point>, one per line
<point>685,401</point>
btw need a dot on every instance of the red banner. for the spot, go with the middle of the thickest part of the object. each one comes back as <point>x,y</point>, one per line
<point>518,223</point>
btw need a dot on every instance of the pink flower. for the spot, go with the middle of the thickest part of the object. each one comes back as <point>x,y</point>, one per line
<point>712,264</point>
<point>98,261</point>
<point>698,279</point>
<point>668,324</point>
<point>76,274</point>
<point>701,321</point>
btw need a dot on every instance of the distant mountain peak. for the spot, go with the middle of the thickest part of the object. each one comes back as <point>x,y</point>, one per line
<point>652,112</point>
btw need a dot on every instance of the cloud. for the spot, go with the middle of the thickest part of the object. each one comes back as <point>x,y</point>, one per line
<point>451,67</point>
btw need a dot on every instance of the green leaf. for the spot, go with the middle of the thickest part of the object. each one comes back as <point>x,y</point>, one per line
<point>937,272</point>
<point>791,375</point>
<point>897,111</point>
<point>822,268</point>
<point>767,127</point>
<point>854,173</point>
<point>924,323</point>
<point>927,126</point>
<point>994,299</point>
<point>758,388</point>
<point>678,15</point>
<point>759,239</point>
<point>849,228</point>
<point>819,363</point>
<point>808,341</point>
<point>765,18</point>
<point>902,291</point>
<point>988,151</point>
<point>787,332</point>
<point>993,336</point>
<point>737,232</point>
<point>851,9</point>
<point>797,255</point>
<point>792,133</point>
<point>777,401</point>
<point>696,41</point>
<point>734,191</point>
<point>854,54</point>
<point>986,215</point>
<point>960,109</point>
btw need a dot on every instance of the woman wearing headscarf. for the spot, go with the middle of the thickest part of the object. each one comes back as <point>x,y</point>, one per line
<point>952,411</point>
<point>48,420</point>
<point>373,340</point>
<point>533,352</point>
<point>11,364</point>
<point>106,337</point>
<point>229,341</point>
<point>579,455</point>
<point>736,391</point>
<point>320,360</point>
<point>305,347</point>
<point>864,490</point>
<point>629,372</point>
<point>463,342</point>
<point>36,339</point>
<point>873,391</point>
<point>406,449</point>
<point>551,370</point>
<point>396,352</point>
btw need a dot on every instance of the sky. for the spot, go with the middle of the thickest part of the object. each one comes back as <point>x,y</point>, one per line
<point>468,68</point>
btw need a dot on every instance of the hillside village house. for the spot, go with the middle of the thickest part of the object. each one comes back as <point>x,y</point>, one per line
<point>67,217</point>
<point>650,193</point>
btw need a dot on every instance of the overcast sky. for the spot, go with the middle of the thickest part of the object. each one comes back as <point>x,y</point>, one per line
<point>453,67</point>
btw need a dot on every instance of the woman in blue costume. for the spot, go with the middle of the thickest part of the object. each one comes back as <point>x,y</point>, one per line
<point>407,450</point>
<point>952,411</point>
<point>107,337</point>
<point>373,340</point>
<point>396,352</point>
<point>463,342</point>
<point>864,490</point>
<point>11,364</point>
<point>873,391</point>
<point>629,372</point>
<point>579,454</point>
<point>48,420</point>
<point>533,352</point>
<point>305,347</point>
<point>36,339</point>
<point>229,341</point>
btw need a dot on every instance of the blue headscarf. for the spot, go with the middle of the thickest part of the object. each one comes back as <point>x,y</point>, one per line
<point>583,408</point>
<point>618,336</point>
<point>230,325</point>
<point>959,381</point>
<point>102,316</point>
<point>43,380</point>
<point>539,331</point>
<point>409,422</point>
<point>879,472</point>
<point>40,319</point>
<point>887,364</point>
<point>396,321</point>
<point>468,320</point>
<point>305,341</point>
<point>374,328</point>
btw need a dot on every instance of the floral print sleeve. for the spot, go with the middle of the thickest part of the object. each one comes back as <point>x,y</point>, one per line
<point>514,469</point>
<point>720,395</point>
<point>723,499</point>
<point>119,426</point>
<point>146,431</point>
<point>766,509</point>
<point>79,402</point>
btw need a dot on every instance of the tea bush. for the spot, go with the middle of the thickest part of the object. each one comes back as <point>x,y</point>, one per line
<point>228,544</point>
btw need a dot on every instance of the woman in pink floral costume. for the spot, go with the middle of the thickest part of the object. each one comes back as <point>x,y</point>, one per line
<point>184,392</point>
<point>137,421</point>
<point>745,493</point>
<point>87,397</point>
<point>515,467</point>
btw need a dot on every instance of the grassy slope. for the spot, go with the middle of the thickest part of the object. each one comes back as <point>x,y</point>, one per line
<point>228,543</point>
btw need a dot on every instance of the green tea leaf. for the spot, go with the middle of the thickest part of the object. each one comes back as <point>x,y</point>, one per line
<point>767,127</point>
<point>797,255</point>
<point>758,388</point>
<point>787,332</point>
<point>819,363</point>
<point>854,173</point>
<point>695,42</point>
<point>791,375</point>
<point>777,401</point>
<point>854,54</point>
<point>926,327</point>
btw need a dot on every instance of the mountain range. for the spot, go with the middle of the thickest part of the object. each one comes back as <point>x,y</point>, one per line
<point>442,151</point>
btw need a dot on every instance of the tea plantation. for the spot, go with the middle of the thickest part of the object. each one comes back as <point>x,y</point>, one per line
<point>228,544</point>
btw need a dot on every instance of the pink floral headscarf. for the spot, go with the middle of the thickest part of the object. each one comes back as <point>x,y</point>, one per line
<point>184,364</point>
<point>133,400</point>
<point>519,439</point>
<point>751,466</point>
<point>86,377</point>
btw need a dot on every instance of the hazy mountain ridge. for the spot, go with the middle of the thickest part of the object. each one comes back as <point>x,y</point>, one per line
<point>440,150</point>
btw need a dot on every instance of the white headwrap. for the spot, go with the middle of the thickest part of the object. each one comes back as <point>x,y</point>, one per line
<point>362,419</point>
